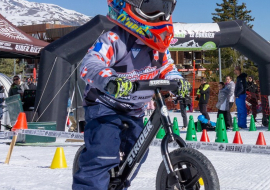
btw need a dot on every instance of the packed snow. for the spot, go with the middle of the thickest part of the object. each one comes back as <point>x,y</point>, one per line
<point>29,167</point>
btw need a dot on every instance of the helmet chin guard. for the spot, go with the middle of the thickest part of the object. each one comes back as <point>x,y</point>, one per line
<point>155,29</point>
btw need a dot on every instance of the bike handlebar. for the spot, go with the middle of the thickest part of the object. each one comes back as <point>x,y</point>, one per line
<point>166,85</point>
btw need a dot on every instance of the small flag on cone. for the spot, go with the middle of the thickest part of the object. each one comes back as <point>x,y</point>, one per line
<point>21,122</point>
<point>237,138</point>
<point>261,139</point>
<point>204,137</point>
<point>59,159</point>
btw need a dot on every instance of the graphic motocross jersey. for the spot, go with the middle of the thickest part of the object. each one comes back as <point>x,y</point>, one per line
<point>119,54</point>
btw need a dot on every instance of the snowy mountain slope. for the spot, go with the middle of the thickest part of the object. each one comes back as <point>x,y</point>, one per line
<point>22,12</point>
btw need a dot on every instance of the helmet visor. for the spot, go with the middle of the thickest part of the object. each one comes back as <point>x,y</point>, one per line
<point>156,10</point>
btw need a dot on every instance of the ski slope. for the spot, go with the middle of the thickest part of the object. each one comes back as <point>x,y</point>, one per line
<point>29,167</point>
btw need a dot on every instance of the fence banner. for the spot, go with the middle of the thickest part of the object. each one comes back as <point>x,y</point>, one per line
<point>46,133</point>
<point>212,146</point>
<point>221,147</point>
<point>5,135</point>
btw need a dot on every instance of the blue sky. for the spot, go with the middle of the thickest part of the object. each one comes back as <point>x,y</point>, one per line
<point>189,11</point>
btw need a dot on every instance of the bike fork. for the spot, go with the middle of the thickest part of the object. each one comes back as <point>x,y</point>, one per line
<point>172,176</point>
<point>170,136</point>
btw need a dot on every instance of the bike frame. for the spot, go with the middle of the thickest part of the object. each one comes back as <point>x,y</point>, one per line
<point>159,117</point>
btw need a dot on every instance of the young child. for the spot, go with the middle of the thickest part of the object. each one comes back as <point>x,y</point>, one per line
<point>135,49</point>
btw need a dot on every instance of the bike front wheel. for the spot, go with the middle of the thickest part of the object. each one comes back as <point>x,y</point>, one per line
<point>76,165</point>
<point>194,170</point>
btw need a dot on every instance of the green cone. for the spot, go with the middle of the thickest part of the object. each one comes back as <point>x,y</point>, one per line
<point>217,124</point>
<point>235,125</point>
<point>161,133</point>
<point>221,135</point>
<point>191,131</point>
<point>252,126</point>
<point>199,126</point>
<point>175,127</point>
<point>145,121</point>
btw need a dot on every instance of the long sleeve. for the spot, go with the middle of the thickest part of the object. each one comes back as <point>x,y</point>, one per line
<point>169,70</point>
<point>96,65</point>
<point>205,89</point>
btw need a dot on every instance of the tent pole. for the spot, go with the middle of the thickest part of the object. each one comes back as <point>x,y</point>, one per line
<point>193,88</point>
<point>76,97</point>
<point>14,60</point>
<point>219,61</point>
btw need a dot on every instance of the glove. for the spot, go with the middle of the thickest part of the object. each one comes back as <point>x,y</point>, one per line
<point>119,87</point>
<point>184,88</point>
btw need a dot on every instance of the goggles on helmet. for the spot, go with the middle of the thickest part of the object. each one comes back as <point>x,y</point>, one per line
<point>156,11</point>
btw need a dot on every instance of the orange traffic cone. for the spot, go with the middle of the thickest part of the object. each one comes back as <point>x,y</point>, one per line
<point>261,140</point>
<point>21,122</point>
<point>237,138</point>
<point>205,137</point>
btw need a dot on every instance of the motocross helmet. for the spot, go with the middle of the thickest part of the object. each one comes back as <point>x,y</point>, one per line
<point>148,20</point>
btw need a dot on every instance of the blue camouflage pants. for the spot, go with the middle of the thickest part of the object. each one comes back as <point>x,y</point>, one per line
<point>241,110</point>
<point>104,138</point>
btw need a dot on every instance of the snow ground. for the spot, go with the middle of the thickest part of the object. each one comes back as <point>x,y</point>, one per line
<point>29,167</point>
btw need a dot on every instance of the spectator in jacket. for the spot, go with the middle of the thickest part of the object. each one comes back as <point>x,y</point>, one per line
<point>252,88</point>
<point>231,86</point>
<point>184,101</point>
<point>15,87</point>
<point>204,93</point>
<point>240,97</point>
<point>223,103</point>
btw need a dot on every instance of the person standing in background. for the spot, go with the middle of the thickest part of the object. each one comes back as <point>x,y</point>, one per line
<point>184,101</point>
<point>223,103</point>
<point>240,97</point>
<point>31,84</point>
<point>16,87</point>
<point>231,86</point>
<point>252,88</point>
<point>204,93</point>
<point>23,84</point>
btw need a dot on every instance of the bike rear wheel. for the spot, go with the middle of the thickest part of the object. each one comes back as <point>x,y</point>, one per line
<point>191,166</point>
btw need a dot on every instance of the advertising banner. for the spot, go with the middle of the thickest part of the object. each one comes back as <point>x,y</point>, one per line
<point>195,37</point>
<point>16,41</point>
